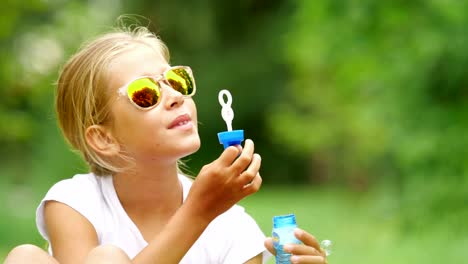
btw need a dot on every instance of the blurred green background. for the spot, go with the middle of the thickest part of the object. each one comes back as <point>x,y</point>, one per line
<point>358,108</point>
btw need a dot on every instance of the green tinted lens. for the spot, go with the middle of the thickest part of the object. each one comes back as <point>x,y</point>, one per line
<point>144,92</point>
<point>180,80</point>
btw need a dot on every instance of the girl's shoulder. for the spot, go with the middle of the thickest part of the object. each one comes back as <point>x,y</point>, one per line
<point>82,192</point>
<point>77,182</point>
<point>81,188</point>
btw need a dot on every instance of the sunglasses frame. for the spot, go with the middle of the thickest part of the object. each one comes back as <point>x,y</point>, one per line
<point>123,91</point>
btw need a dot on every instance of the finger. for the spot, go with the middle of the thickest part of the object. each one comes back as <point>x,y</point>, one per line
<point>245,157</point>
<point>269,245</point>
<point>239,147</point>
<point>247,176</point>
<point>307,238</point>
<point>300,249</point>
<point>229,155</point>
<point>254,186</point>
<point>308,259</point>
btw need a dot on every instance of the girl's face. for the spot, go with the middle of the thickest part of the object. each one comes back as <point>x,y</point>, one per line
<point>164,133</point>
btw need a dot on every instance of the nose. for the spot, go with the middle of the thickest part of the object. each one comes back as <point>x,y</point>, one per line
<point>171,97</point>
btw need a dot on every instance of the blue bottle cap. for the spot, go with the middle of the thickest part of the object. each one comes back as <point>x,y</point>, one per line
<point>231,138</point>
<point>284,220</point>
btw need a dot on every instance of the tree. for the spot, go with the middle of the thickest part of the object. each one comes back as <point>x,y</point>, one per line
<point>379,92</point>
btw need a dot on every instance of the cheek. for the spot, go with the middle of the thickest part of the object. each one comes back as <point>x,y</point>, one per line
<point>139,137</point>
<point>127,124</point>
<point>140,128</point>
<point>193,109</point>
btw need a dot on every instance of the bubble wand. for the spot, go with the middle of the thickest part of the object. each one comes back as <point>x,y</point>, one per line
<point>229,137</point>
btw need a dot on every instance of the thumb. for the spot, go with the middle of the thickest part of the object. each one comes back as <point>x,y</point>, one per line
<point>269,245</point>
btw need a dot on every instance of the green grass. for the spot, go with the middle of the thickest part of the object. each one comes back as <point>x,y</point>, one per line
<point>17,218</point>
<point>364,227</point>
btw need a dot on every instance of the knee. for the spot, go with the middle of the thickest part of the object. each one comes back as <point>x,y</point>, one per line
<point>25,254</point>
<point>107,254</point>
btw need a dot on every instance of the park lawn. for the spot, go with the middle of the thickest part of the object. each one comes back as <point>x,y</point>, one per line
<point>364,226</point>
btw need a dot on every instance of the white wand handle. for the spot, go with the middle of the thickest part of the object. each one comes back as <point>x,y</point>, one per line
<point>226,111</point>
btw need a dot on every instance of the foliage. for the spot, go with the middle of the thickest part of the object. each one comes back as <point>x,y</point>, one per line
<point>379,91</point>
<point>38,38</point>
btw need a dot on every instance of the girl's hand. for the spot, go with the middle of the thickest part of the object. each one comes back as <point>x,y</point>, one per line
<point>226,181</point>
<point>308,252</point>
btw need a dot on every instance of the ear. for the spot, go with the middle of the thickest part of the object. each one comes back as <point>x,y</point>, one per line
<point>102,141</point>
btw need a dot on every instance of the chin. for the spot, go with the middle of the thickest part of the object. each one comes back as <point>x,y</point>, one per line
<point>196,145</point>
<point>192,146</point>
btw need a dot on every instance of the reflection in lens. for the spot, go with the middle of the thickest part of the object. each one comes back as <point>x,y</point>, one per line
<point>144,92</point>
<point>180,80</point>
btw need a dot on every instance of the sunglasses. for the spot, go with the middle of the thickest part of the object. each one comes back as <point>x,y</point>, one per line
<point>145,92</point>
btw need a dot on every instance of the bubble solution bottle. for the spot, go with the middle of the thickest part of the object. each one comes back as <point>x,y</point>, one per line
<point>283,233</point>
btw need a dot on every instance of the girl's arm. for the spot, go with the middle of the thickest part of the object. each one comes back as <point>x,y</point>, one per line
<point>255,260</point>
<point>71,235</point>
<point>218,186</point>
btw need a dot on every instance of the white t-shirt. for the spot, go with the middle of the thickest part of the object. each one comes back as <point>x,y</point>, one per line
<point>233,237</point>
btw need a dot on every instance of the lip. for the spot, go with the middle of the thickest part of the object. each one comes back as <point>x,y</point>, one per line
<point>185,118</point>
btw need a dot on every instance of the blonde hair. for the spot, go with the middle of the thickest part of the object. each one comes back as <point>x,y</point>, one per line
<point>82,99</point>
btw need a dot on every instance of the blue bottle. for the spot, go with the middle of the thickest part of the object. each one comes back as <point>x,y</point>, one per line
<point>283,233</point>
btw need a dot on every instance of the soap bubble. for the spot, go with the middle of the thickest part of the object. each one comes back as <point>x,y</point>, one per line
<point>326,246</point>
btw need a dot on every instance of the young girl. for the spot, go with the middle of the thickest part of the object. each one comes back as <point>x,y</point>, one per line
<point>132,117</point>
